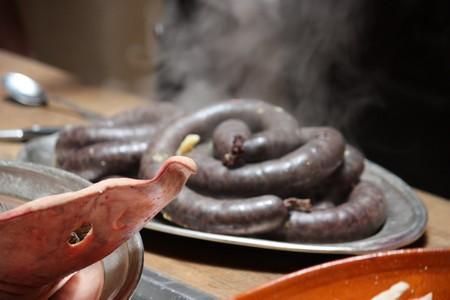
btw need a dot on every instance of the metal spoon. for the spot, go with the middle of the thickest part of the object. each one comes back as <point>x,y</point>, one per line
<point>26,91</point>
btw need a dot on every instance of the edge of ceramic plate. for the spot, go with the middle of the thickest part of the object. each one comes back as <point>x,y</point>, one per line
<point>285,279</point>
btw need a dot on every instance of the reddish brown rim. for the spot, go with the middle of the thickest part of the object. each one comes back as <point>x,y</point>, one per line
<point>378,257</point>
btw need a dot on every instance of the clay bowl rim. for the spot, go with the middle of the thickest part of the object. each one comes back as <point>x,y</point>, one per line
<point>323,268</point>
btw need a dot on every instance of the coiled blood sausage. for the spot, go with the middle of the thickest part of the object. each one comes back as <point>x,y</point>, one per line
<point>112,146</point>
<point>259,172</point>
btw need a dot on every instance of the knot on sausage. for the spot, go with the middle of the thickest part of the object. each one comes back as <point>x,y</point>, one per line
<point>113,146</point>
<point>251,157</point>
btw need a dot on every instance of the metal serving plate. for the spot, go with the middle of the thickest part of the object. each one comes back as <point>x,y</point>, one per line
<point>406,220</point>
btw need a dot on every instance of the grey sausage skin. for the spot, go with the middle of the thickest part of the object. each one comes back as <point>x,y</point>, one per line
<point>272,125</point>
<point>137,124</point>
<point>339,184</point>
<point>97,161</point>
<point>243,216</point>
<point>297,160</point>
<point>228,140</point>
<point>293,173</point>
<point>79,136</point>
<point>112,146</point>
<point>252,156</point>
<point>359,217</point>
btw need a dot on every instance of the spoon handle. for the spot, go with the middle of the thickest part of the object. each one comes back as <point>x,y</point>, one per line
<point>87,114</point>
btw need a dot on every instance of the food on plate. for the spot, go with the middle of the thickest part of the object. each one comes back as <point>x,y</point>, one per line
<point>112,146</point>
<point>359,216</point>
<point>255,166</point>
<point>428,296</point>
<point>394,292</point>
<point>46,242</point>
<point>259,172</point>
<point>397,290</point>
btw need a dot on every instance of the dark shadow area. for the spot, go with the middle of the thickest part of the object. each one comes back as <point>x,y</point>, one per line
<point>408,130</point>
<point>237,257</point>
<point>230,256</point>
<point>12,33</point>
<point>420,243</point>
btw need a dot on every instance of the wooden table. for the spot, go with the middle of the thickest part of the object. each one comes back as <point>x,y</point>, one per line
<point>219,269</point>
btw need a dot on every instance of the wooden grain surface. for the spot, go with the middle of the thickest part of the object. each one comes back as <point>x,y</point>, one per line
<point>219,269</point>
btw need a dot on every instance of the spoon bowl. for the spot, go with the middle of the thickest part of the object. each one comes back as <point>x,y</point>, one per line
<point>24,90</point>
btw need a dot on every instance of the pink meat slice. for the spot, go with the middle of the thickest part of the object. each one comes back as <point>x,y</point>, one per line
<point>36,256</point>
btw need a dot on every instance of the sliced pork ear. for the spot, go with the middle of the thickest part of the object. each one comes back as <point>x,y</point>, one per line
<point>45,240</point>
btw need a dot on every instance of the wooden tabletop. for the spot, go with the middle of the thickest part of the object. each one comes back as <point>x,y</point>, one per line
<point>218,269</point>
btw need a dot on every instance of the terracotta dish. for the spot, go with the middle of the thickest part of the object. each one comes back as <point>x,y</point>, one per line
<point>363,277</point>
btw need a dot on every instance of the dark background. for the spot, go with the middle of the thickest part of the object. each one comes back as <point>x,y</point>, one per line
<point>410,132</point>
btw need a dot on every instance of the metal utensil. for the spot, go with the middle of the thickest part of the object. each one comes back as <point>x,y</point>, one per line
<point>26,134</point>
<point>26,91</point>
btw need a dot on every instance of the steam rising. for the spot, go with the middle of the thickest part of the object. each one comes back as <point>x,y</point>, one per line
<point>302,55</point>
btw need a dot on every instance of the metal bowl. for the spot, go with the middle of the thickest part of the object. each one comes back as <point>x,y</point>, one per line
<point>28,181</point>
